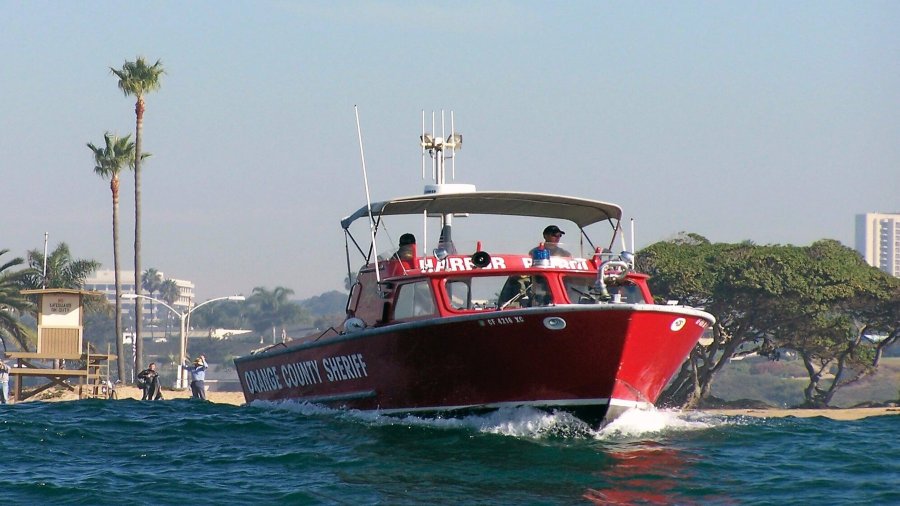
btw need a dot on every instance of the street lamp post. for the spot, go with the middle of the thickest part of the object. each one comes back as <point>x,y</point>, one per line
<point>184,318</point>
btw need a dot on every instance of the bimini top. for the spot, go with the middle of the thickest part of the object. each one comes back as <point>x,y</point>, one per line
<point>582,212</point>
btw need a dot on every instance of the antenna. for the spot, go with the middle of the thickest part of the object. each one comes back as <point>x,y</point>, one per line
<point>440,148</point>
<point>362,156</point>
<point>423,143</point>
<point>633,252</point>
<point>44,272</point>
<point>433,159</point>
<point>437,147</point>
<point>452,136</point>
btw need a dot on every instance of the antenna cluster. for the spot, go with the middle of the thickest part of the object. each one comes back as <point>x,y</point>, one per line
<point>439,148</point>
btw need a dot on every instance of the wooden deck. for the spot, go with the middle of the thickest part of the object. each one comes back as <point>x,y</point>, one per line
<point>91,376</point>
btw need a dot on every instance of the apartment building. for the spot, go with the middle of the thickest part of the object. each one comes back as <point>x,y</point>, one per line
<point>105,281</point>
<point>878,240</point>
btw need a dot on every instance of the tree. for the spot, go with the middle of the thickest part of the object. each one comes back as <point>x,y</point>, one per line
<point>151,282</point>
<point>63,271</point>
<point>839,302</point>
<point>109,161</point>
<point>815,300</point>
<point>225,314</point>
<point>269,309</point>
<point>693,270</point>
<point>13,303</point>
<point>169,293</point>
<point>137,78</point>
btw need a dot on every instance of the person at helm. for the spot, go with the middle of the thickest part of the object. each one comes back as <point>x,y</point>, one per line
<point>552,235</point>
<point>407,248</point>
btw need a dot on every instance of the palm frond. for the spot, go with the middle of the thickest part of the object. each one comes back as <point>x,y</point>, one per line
<point>137,78</point>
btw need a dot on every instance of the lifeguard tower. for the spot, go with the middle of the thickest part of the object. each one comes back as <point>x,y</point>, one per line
<point>60,328</point>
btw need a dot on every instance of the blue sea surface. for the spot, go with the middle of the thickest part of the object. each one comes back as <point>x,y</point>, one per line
<point>187,452</point>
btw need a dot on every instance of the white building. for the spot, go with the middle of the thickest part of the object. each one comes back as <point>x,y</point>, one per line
<point>105,281</point>
<point>878,240</point>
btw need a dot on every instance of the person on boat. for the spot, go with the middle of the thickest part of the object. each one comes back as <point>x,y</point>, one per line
<point>4,383</point>
<point>198,377</point>
<point>148,380</point>
<point>525,291</point>
<point>407,248</point>
<point>552,235</point>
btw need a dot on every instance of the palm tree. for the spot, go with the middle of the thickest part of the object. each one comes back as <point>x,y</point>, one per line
<point>63,271</point>
<point>109,160</point>
<point>169,293</point>
<point>151,280</point>
<point>272,308</point>
<point>137,78</point>
<point>13,303</point>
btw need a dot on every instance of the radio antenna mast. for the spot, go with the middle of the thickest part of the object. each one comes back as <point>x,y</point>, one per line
<point>440,148</point>
<point>44,272</point>
<point>362,156</point>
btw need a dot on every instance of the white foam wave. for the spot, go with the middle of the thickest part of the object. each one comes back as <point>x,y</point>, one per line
<point>639,423</point>
<point>526,422</point>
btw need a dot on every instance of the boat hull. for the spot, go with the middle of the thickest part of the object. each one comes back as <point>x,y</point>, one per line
<point>592,360</point>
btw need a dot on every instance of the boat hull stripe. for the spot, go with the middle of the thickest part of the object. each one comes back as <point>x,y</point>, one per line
<point>498,405</point>
<point>350,396</point>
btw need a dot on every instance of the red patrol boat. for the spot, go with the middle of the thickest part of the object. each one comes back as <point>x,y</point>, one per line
<point>457,331</point>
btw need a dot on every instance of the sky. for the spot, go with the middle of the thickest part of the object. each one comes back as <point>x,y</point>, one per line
<point>774,122</point>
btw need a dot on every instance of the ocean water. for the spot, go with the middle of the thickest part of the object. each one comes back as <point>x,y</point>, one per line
<point>186,452</point>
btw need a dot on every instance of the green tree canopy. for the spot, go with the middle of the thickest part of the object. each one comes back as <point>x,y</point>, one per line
<point>169,293</point>
<point>225,314</point>
<point>137,79</point>
<point>13,304</point>
<point>817,301</point>
<point>109,161</point>
<point>267,309</point>
<point>63,270</point>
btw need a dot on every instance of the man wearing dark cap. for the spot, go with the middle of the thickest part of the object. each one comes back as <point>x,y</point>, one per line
<point>407,247</point>
<point>552,234</point>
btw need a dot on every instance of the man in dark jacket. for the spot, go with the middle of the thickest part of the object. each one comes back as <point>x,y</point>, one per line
<point>148,380</point>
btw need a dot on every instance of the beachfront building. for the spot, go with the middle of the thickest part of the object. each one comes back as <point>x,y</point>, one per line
<point>104,281</point>
<point>878,240</point>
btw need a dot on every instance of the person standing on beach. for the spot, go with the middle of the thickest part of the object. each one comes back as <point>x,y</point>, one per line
<point>149,381</point>
<point>4,382</point>
<point>198,377</point>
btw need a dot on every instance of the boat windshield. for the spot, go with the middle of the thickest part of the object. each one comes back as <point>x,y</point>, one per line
<point>414,300</point>
<point>477,293</point>
<point>578,288</point>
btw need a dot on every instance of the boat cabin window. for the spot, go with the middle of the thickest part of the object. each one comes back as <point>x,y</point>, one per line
<point>577,288</point>
<point>497,292</point>
<point>414,300</point>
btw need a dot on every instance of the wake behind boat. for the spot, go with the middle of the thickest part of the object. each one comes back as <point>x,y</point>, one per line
<point>461,329</point>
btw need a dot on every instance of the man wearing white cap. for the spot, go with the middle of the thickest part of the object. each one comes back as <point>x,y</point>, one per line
<point>198,377</point>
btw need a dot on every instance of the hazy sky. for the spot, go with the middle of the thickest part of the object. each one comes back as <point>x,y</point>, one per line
<point>774,122</point>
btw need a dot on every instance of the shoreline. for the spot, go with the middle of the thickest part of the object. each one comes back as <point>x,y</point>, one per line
<point>131,392</point>
<point>833,414</point>
<point>237,399</point>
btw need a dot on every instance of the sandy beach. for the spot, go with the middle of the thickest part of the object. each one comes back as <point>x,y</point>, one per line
<point>130,392</point>
<point>237,399</point>
<point>834,414</point>
<point>234,398</point>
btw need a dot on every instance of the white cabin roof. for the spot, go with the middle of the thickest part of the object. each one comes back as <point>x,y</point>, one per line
<point>582,212</point>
